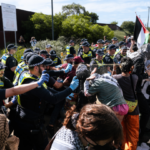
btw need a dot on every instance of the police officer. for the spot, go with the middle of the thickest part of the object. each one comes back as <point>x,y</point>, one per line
<point>70,49</point>
<point>100,44</point>
<point>28,125</point>
<point>55,58</point>
<point>27,50</point>
<point>87,54</point>
<point>115,42</point>
<point>10,62</point>
<point>37,50</point>
<point>44,54</point>
<point>48,48</point>
<point>121,44</point>
<point>96,65</point>
<point>80,47</point>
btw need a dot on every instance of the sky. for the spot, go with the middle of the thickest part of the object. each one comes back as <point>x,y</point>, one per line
<point>107,10</point>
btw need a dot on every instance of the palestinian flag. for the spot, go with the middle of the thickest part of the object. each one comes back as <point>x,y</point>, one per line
<point>141,34</point>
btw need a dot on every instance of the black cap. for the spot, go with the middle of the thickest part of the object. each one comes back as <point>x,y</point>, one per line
<point>86,43</point>
<point>29,55</point>
<point>71,41</point>
<point>100,52</point>
<point>28,50</point>
<point>37,50</point>
<point>52,53</point>
<point>124,47</point>
<point>112,46</point>
<point>49,62</point>
<point>83,40</point>
<point>100,41</point>
<point>25,56</point>
<point>11,46</point>
<point>69,56</point>
<point>44,52</point>
<point>106,41</point>
<point>2,66</point>
<point>121,43</point>
<point>36,60</point>
<point>115,39</point>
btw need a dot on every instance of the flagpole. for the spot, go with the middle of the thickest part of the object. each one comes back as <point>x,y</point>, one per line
<point>148,17</point>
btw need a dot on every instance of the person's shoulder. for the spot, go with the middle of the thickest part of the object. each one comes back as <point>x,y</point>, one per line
<point>135,76</point>
<point>117,76</point>
<point>64,65</point>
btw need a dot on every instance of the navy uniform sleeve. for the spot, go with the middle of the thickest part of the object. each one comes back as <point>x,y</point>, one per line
<point>12,62</point>
<point>7,83</point>
<point>107,60</point>
<point>93,65</point>
<point>56,73</point>
<point>2,94</point>
<point>51,82</point>
<point>93,54</point>
<point>48,96</point>
<point>59,61</point>
<point>72,50</point>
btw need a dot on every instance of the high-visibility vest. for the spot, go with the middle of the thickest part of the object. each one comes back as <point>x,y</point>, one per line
<point>87,55</point>
<point>98,63</point>
<point>21,80</point>
<point>20,65</point>
<point>1,84</point>
<point>5,57</point>
<point>68,49</point>
<point>55,60</point>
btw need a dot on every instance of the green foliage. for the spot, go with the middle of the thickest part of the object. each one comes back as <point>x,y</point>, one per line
<point>94,17</point>
<point>17,55</point>
<point>119,35</point>
<point>128,25</point>
<point>114,22</point>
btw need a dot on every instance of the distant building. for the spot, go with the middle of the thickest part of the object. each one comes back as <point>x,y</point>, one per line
<point>111,26</point>
<point>22,15</point>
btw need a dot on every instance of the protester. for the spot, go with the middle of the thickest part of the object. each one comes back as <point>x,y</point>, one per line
<point>55,58</point>
<point>70,49</point>
<point>33,41</point>
<point>128,84</point>
<point>10,62</point>
<point>95,127</point>
<point>21,41</point>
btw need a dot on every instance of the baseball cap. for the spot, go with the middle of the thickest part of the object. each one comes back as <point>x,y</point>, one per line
<point>69,56</point>
<point>112,46</point>
<point>115,39</point>
<point>78,59</point>
<point>52,53</point>
<point>100,41</point>
<point>48,46</point>
<point>100,52</point>
<point>85,43</point>
<point>11,46</point>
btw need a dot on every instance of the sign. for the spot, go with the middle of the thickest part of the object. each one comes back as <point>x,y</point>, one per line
<point>9,17</point>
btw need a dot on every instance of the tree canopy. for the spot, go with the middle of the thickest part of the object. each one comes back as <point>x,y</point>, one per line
<point>114,22</point>
<point>128,25</point>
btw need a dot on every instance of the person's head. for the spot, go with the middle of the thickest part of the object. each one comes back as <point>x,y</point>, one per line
<point>97,123</point>
<point>28,50</point>
<point>77,60</point>
<point>100,43</point>
<point>2,69</point>
<point>44,54</point>
<point>33,38</point>
<point>99,54</point>
<point>49,64</point>
<point>37,50</point>
<point>114,40</point>
<point>27,56</point>
<point>83,40</point>
<point>69,58</point>
<point>124,50</point>
<point>124,37</point>
<point>21,37</point>
<point>134,48</point>
<point>106,42</point>
<point>12,48</point>
<point>112,49</point>
<point>52,54</point>
<point>126,65</point>
<point>121,44</point>
<point>48,47</point>
<point>71,42</point>
<point>85,46</point>
<point>36,65</point>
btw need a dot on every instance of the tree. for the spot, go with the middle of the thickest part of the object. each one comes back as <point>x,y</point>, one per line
<point>94,17</point>
<point>114,22</point>
<point>129,26</point>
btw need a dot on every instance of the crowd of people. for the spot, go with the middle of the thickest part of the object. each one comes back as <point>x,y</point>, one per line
<point>92,101</point>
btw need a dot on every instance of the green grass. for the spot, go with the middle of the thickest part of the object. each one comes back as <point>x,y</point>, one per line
<point>119,35</point>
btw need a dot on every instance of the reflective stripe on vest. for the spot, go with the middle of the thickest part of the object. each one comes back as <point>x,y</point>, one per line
<point>21,80</point>
<point>98,63</point>
<point>5,57</point>
<point>68,50</point>
<point>117,52</point>
<point>55,60</point>
<point>1,84</point>
<point>20,65</point>
<point>87,55</point>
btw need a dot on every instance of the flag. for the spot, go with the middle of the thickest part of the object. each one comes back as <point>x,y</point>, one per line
<point>141,34</point>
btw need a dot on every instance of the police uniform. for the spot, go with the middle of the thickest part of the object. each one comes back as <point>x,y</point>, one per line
<point>80,47</point>
<point>28,124</point>
<point>87,56</point>
<point>55,58</point>
<point>101,42</point>
<point>70,49</point>
<point>107,59</point>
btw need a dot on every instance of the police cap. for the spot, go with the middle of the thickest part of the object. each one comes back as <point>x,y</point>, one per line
<point>86,43</point>
<point>49,46</point>
<point>71,41</point>
<point>28,56</point>
<point>49,62</point>
<point>11,46</point>
<point>28,50</point>
<point>100,41</point>
<point>52,53</point>
<point>124,48</point>
<point>112,46</point>
<point>121,43</point>
<point>100,52</point>
<point>36,60</point>
<point>37,50</point>
<point>2,66</point>
<point>114,39</point>
<point>83,40</point>
<point>44,52</point>
<point>69,56</point>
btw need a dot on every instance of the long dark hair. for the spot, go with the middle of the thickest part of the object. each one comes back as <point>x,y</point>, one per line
<point>126,64</point>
